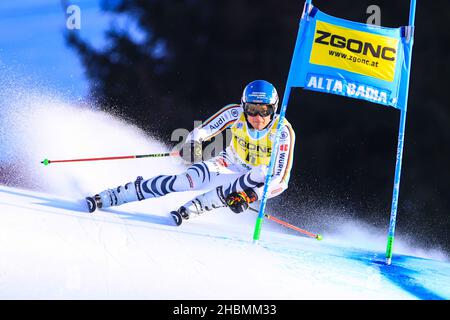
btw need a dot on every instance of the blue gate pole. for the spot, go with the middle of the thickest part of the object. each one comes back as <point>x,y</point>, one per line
<point>401,138</point>
<point>285,102</point>
<point>269,176</point>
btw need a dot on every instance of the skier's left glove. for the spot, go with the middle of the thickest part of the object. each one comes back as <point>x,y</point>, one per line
<point>239,201</point>
<point>192,152</point>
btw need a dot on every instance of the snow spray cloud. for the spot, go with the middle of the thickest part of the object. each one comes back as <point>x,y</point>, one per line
<point>343,227</point>
<point>36,125</point>
<point>357,234</point>
<point>340,224</point>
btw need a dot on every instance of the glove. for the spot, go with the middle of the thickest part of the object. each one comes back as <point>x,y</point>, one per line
<point>239,201</point>
<point>192,152</point>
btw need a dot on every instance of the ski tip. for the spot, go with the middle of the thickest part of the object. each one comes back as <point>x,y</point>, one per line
<point>91,204</point>
<point>45,162</point>
<point>319,237</point>
<point>176,217</point>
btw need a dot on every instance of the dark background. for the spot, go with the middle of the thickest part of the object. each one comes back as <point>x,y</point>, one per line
<point>196,56</point>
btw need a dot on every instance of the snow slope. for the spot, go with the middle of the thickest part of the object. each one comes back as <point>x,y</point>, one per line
<point>51,248</point>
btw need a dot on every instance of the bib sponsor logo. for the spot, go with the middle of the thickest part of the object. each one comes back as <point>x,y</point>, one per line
<point>252,153</point>
<point>252,147</point>
<point>355,51</point>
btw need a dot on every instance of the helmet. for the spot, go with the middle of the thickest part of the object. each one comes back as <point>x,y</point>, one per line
<point>260,92</point>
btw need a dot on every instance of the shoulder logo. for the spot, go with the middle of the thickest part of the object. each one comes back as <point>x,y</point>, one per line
<point>234,113</point>
<point>217,123</point>
<point>284,135</point>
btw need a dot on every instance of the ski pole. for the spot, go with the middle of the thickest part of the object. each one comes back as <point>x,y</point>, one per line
<point>288,225</point>
<point>153,155</point>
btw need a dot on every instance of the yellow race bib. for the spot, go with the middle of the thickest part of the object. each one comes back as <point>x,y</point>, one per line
<point>252,151</point>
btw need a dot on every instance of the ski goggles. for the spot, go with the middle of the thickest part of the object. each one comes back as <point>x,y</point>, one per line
<point>253,109</point>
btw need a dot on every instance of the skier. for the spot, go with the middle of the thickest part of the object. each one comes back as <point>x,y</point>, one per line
<point>235,178</point>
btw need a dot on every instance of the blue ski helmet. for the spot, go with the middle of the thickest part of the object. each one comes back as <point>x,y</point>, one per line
<point>260,92</point>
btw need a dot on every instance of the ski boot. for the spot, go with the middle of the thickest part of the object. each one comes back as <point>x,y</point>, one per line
<point>195,207</point>
<point>115,197</point>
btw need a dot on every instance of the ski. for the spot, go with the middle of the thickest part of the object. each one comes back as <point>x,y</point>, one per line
<point>176,217</point>
<point>91,204</point>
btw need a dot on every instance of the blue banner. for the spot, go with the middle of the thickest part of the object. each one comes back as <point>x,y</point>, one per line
<point>351,59</point>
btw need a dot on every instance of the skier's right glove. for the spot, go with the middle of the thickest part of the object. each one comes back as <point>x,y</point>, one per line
<point>192,152</point>
<point>239,201</point>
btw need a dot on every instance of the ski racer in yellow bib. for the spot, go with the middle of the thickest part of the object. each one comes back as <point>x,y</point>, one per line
<point>236,176</point>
